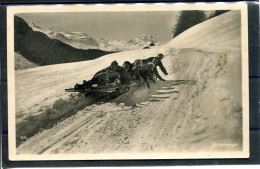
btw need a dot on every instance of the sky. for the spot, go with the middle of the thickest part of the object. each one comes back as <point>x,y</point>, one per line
<point>110,25</point>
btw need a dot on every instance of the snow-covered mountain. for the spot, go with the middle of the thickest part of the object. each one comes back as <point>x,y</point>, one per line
<point>39,48</point>
<point>76,39</point>
<point>81,40</point>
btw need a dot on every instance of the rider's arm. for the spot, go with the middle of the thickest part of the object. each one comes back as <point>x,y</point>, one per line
<point>162,68</point>
<point>157,74</point>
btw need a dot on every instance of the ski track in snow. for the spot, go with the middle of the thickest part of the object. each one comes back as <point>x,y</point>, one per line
<point>91,120</point>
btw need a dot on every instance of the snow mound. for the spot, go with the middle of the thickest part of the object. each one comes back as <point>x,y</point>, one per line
<point>220,31</point>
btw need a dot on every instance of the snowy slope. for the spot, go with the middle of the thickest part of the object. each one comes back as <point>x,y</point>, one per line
<point>58,77</point>
<point>173,116</point>
<point>22,63</point>
<point>219,31</point>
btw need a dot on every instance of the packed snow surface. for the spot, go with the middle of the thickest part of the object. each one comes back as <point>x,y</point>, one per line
<point>197,109</point>
<point>217,32</point>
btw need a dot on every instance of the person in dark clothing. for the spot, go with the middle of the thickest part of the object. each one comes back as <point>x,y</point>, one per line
<point>151,71</point>
<point>157,62</point>
<point>102,77</point>
<point>125,73</point>
<point>136,71</point>
<point>143,72</point>
<point>109,74</point>
<point>147,73</point>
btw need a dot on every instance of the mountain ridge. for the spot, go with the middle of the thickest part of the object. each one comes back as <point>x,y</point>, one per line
<point>82,40</point>
<point>38,48</point>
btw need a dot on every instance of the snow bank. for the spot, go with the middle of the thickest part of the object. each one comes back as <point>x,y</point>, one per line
<point>222,31</point>
<point>47,116</point>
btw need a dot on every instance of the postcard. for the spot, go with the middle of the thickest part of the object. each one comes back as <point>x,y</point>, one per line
<point>128,81</point>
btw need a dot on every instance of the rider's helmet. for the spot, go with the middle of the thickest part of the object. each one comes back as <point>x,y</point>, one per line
<point>127,66</point>
<point>160,56</point>
<point>138,63</point>
<point>114,65</point>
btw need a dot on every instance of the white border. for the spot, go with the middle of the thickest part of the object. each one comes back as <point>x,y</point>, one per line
<point>12,10</point>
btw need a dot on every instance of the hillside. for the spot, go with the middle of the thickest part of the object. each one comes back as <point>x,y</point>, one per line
<point>188,113</point>
<point>40,49</point>
<point>221,35</point>
<point>23,63</point>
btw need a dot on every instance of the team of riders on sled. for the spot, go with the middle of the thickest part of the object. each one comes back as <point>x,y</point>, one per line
<point>115,76</point>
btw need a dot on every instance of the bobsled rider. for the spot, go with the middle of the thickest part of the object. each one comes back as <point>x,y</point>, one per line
<point>103,77</point>
<point>125,73</point>
<point>136,71</point>
<point>157,62</point>
<point>109,74</point>
<point>147,73</point>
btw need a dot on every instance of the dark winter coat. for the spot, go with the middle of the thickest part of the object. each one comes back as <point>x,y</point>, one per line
<point>125,76</point>
<point>136,74</point>
<point>103,70</point>
<point>102,77</point>
<point>106,75</point>
<point>147,73</point>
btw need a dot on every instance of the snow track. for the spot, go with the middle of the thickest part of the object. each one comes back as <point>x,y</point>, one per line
<point>169,116</point>
<point>92,120</point>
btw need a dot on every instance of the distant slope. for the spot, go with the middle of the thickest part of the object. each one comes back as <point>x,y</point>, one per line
<point>224,34</point>
<point>188,19</point>
<point>22,63</point>
<point>40,49</point>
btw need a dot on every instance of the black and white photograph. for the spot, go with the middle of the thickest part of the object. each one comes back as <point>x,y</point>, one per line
<point>135,81</point>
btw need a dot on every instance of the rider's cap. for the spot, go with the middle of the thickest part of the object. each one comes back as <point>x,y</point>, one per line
<point>114,63</point>
<point>127,63</point>
<point>160,56</point>
<point>138,63</point>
